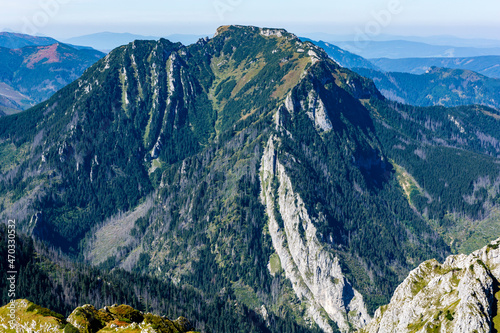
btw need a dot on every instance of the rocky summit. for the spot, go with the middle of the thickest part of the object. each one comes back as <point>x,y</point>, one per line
<point>252,170</point>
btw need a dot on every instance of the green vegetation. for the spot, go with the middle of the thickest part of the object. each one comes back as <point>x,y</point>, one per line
<point>246,295</point>
<point>484,65</point>
<point>44,312</point>
<point>62,286</point>
<point>439,86</point>
<point>453,171</point>
<point>384,187</point>
<point>40,71</point>
<point>121,318</point>
<point>12,155</point>
<point>275,264</point>
<point>496,318</point>
<point>36,316</point>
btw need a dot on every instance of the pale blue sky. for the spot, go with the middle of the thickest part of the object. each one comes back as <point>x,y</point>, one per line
<point>68,18</point>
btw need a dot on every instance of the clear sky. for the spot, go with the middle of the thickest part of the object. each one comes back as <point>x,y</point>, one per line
<point>68,18</point>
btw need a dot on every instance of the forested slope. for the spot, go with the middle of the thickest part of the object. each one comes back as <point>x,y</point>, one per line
<point>250,168</point>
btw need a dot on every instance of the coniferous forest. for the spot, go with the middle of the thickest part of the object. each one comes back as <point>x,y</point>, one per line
<point>246,182</point>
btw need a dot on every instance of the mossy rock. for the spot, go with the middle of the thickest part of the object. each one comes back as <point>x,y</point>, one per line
<point>44,312</point>
<point>70,329</point>
<point>163,325</point>
<point>87,319</point>
<point>35,315</point>
<point>183,324</point>
<point>125,313</point>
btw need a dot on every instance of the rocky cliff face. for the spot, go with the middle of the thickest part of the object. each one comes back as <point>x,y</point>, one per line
<point>190,127</point>
<point>460,295</point>
<point>315,273</point>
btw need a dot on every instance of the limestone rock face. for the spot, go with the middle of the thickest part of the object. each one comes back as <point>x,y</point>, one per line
<point>314,272</point>
<point>456,296</point>
<point>272,32</point>
<point>124,318</point>
<point>316,111</point>
<point>24,316</point>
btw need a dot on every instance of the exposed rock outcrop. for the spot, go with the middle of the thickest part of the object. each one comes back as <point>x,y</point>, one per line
<point>456,296</point>
<point>317,112</point>
<point>24,316</point>
<point>314,272</point>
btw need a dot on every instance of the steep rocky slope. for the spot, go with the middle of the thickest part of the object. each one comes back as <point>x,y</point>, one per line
<point>250,167</point>
<point>315,273</point>
<point>460,295</point>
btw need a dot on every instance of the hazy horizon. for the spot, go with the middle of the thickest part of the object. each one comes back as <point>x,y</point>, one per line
<point>63,19</point>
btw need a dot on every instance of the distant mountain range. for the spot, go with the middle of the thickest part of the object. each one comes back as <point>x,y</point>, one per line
<point>396,49</point>
<point>33,68</point>
<point>19,95</point>
<point>106,41</point>
<point>434,85</point>
<point>438,86</point>
<point>486,65</point>
<point>12,40</point>
<point>342,57</point>
<point>432,40</point>
<point>308,195</point>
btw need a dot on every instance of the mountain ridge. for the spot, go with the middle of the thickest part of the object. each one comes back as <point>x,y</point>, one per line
<point>486,65</point>
<point>191,128</point>
<point>434,86</point>
<point>396,49</point>
<point>87,319</point>
<point>33,73</point>
<point>106,41</point>
<point>12,40</point>
<point>459,295</point>
<point>438,86</point>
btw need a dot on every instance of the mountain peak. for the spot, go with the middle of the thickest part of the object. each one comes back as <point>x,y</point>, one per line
<point>249,29</point>
<point>256,152</point>
<point>280,38</point>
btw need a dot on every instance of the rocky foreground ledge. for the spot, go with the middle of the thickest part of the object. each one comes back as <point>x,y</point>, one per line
<point>25,316</point>
<point>460,295</point>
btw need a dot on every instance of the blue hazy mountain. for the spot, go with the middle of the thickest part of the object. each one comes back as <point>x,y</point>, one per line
<point>433,85</point>
<point>432,40</point>
<point>486,65</point>
<point>438,86</point>
<point>342,57</point>
<point>13,40</point>
<point>106,41</point>
<point>396,49</point>
<point>31,74</point>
